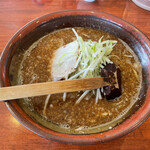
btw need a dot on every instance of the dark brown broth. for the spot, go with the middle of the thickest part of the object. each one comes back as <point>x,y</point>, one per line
<point>35,67</point>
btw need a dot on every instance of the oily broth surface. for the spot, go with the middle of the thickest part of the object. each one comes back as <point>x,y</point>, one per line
<point>35,67</point>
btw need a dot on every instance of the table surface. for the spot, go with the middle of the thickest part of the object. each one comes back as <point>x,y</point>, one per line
<point>16,13</point>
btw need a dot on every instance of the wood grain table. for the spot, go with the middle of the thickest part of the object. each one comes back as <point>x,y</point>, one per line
<point>16,13</point>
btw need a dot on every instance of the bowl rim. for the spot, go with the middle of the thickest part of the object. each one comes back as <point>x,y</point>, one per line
<point>82,139</point>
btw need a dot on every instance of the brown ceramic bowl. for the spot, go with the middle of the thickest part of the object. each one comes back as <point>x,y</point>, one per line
<point>39,27</point>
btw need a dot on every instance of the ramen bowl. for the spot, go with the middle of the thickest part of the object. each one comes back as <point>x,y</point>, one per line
<point>41,26</point>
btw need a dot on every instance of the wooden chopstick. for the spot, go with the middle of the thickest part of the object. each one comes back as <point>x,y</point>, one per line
<point>45,88</point>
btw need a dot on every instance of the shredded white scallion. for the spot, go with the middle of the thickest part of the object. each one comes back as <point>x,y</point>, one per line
<point>46,103</point>
<point>91,57</point>
<point>82,96</point>
<point>65,94</point>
